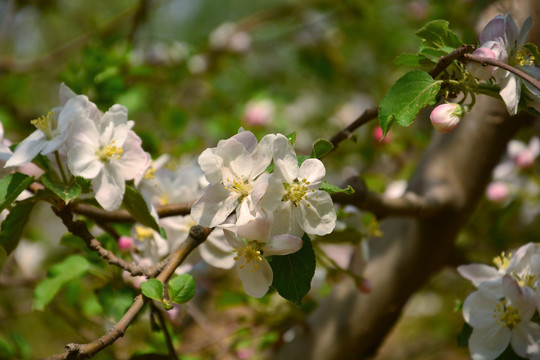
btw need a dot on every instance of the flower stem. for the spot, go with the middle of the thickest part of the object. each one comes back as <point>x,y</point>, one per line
<point>59,162</point>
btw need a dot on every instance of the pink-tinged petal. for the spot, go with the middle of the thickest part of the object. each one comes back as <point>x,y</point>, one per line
<point>526,340</point>
<point>211,165</point>
<point>217,252</point>
<point>478,273</point>
<point>521,298</point>
<point>510,91</point>
<point>247,139</point>
<point>319,218</point>
<point>82,161</point>
<point>511,32</point>
<point>134,159</point>
<point>494,29</point>
<point>478,309</point>
<point>262,156</point>
<point>213,207</point>
<point>117,114</point>
<point>285,159</point>
<point>257,282</point>
<point>109,187</point>
<point>257,228</point>
<point>282,245</point>
<point>489,343</point>
<point>313,171</point>
<point>65,94</point>
<point>27,149</point>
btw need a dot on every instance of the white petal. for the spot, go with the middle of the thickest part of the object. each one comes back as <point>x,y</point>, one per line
<point>27,149</point>
<point>134,159</point>
<point>83,132</point>
<point>83,161</point>
<point>313,171</point>
<point>319,218</point>
<point>247,139</point>
<point>211,165</point>
<point>285,159</point>
<point>65,93</point>
<point>262,157</point>
<point>257,228</point>
<point>217,252</point>
<point>494,29</point>
<point>488,344</point>
<point>214,206</point>
<point>478,273</point>
<point>257,282</point>
<point>282,245</point>
<point>109,187</point>
<point>236,160</point>
<point>526,340</point>
<point>273,195</point>
<point>478,309</point>
<point>510,91</point>
<point>522,298</point>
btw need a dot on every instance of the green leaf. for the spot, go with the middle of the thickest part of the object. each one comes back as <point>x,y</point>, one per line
<point>436,34</point>
<point>71,268</point>
<point>181,288</point>
<point>333,189</point>
<point>413,91</point>
<point>65,192</point>
<point>321,147</point>
<point>3,257</point>
<point>411,60</point>
<point>11,187</point>
<point>464,335</point>
<point>135,204</point>
<point>13,225</point>
<point>293,272</point>
<point>292,138</point>
<point>153,289</point>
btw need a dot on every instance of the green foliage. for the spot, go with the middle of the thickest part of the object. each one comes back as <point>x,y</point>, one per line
<point>333,189</point>
<point>11,186</point>
<point>71,268</point>
<point>293,272</point>
<point>135,204</point>
<point>410,94</point>
<point>13,225</point>
<point>115,301</point>
<point>153,289</point>
<point>65,192</point>
<point>437,35</point>
<point>181,288</point>
<point>321,147</point>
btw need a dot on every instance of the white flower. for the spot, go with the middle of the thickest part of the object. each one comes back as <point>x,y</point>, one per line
<point>235,170</point>
<point>502,36</point>
<point>107,152</point>
<point>498,322</point>
<point>51,132</point>
<point>293,193</point>
<point>252,242</point>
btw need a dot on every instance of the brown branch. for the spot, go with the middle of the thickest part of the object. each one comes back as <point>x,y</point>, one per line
<point>98,214</point>
<point>445,61</point>
<point>486,61</point>
<point>197,235</point>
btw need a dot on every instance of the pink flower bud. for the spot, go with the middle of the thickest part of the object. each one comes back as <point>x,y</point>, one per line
<point>259,113</point>
<point>481,71</point>
<point>525,159</point>
<point>446,117</point>
<point>378,136</point>
<point>125,243</point>
<point>497,191</point>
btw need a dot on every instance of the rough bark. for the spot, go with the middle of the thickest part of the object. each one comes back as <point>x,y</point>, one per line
<point>454,171</point>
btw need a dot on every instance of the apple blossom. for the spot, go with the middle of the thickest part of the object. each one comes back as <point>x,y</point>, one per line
<point>252,242</point>
<point>481,71</point>
<point>446,117</point>
<point>107,152</point>
<point>498,191</point>
<point>293,193</point>
<point>499,322</point>
<point>235,170</point>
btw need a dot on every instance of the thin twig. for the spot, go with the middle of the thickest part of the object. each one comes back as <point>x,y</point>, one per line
<point>197,235</point>
<point>120,216</point>
<point>163,325</point>
<point>486,61</point>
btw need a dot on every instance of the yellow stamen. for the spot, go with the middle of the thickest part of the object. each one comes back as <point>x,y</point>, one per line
<point>251,251</point>
<point>502,261</point>
<point>110,151</point>
<point>142,232</point>
<point>296,191</point>
<point>45,123</point>
<point>240,184</point>
<point>506,315</point>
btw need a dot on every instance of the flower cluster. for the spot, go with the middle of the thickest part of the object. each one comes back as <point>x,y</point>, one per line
<point>263,212</point>
<point>504,308</point>
<point>99,147</point>
<point>501,40</point>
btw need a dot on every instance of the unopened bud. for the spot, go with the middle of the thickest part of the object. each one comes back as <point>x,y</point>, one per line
<point>446,117</point>
<point>490,50</point>
<point>378,136</point>
<point>525,159</point>
<point>125,243</point>
<point>497,191</point>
